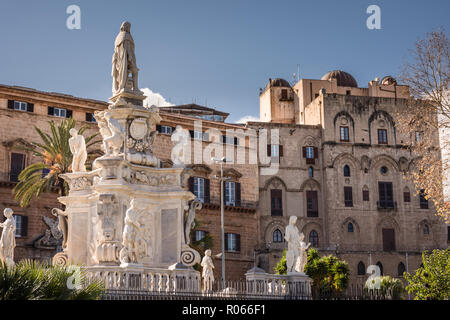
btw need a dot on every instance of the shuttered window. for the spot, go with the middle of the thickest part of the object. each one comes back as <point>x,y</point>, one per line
<point>200,187</point>
<point>385,194</point>
<point>388,239</point>
<point>16,167</point>
<point>311,204</point>
<point>232,242</point>
<point>276,202</point>
<point>348,196</point>
<point>311,154</point>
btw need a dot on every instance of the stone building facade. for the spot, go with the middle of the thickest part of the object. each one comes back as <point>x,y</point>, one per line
<point>21,109</point>
<point>341,171</point>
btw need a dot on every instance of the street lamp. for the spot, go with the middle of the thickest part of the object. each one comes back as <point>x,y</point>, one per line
<point>221,161</point>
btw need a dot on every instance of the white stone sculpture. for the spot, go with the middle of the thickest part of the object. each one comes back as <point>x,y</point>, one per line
<point>303,257</point>
<point>189,224</point>
<point>77,146</point>
<point>133,239</point>
<point>8,238</point>
<point>180,137</point>
<point>62,224</point>
<point>124,61</point>
<point>207,273</point>
<point>292,236</point>
<point>114,141</point>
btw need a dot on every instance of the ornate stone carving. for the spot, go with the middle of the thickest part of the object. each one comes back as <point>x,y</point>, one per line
<point>142,177</point>
<point>78,148</point>
<point>62,225</point>
<point>60,259</point>
<point>107,247</point>
<point>136,240</point>
<point>8,238</point>
<point>52,237</point>
<point>189,219</point>
<point>189,256</point>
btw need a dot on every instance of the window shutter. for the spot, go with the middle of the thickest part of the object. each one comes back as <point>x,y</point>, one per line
<point>365,195</point>
<point>269,150</point>
<point>237,191</point>
<point>316,152</point>
<point>280,150</point>
<point>51,111</point>
<point>191,184</point>
<point>226,241</point>
<point>158,127</point>
<point>236,141</point>
<point>224,186</point>
<point>24,230</point>
<point>304,152</point>
<point>30,107</point>
<point>68,113</point>
<point>224,139</point>
<point>10,104</point>
<point>191,132</point>
<point>207,194</point>
<point>238,242</point>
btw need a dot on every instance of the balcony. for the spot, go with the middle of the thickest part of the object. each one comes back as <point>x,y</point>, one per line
<point>387,204</point>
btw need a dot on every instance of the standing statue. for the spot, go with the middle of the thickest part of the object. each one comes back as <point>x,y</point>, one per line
<point>124,61</point>
<point>78,148</point>
<point>292,236</point>
<point>8,238</point>
<point>303,256</point>
<point>207,273</point>
<point>180,137</point>
<point>189,224</point>
<point>134,245</point>
<point>63,224</point>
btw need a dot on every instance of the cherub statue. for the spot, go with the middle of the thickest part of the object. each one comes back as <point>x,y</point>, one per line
<point>207,273</point>
<point>303,257</point>
<point>77,146</point>
<point>8,238</point>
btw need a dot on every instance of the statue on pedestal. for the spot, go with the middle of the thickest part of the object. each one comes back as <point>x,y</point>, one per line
<point>8,238</point>
<point>292,236</point>
<point>124,61</point>
<point>207,273</point>
<point>189,224</point>
<point>77,146</point>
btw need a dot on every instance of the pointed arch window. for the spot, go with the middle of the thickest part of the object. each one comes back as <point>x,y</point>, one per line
<point>350,227</point>
<point>380,265</point>
<point>314,238</point>
<point>346,171</point>
<point>361,268</point>
<point>311,172</point>
<point>401,269</point>
<point>277,236</point>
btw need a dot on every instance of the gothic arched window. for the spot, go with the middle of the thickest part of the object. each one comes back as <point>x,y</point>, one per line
<point>350,227</point>
<point>277,236</point>
<point>361,268</point>
<point>310,172</point>
<point>381,267</point>
<point>401,269</point>
<point>346,171</point>
<point>314,238</point>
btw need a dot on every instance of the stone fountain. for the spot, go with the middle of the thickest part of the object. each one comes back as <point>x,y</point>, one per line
<point>125,221</point>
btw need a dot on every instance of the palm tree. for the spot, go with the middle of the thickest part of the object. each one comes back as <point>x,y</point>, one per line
<point>55,151</point>
<point>31,280</point>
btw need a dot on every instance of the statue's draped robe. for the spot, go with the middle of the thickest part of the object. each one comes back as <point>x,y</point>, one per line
<point>8,239</point>
<point>124,60</point>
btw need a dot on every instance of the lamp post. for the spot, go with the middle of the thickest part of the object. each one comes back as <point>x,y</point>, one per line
<point>221,161</point>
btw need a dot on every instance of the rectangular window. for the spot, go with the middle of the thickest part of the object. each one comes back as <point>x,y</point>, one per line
<point>230,140</point>
<point>59,112</point>
<point>385,194</point>
<point>90,117</point>
<point>276,202</point>
<point>284,94</point>
<point>365,195</point>
<point>232,242</point>
<point>382,136</point>
<point>311,204</point>
<point>230,193</point>
<point>419,137</point>
<point>310,153</point>
<point>166,130</point>
<point>348,196</point>
<point>199,188</point>
<point>21,225</point>
<point>16,167</point>
<point>423,200</point>
<point>20,105</point>
<point>388,239</point>
<point>344,134</point>
<point>199,235</point>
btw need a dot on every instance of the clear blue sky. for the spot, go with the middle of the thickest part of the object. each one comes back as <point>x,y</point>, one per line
<point>221,52</point>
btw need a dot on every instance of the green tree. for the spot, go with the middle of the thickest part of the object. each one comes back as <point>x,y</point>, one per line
<point>31,280</point>
<point>329,274</point>
<point>56,158</point>
<point>432,281</point>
